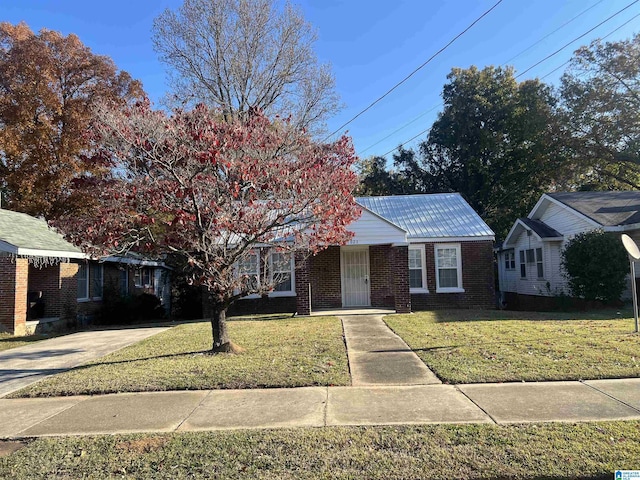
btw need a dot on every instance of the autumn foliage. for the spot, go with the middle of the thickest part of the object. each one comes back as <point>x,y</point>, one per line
<point>49,85</point>
<point>208,192</point>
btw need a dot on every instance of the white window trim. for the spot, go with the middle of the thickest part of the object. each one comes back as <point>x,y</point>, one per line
<point>425,288</point>
<point>283,293</point>
<point>87,284</point>
<point>456,246</point>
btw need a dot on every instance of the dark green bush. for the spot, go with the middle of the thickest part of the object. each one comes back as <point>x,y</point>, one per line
<point>596,266</point>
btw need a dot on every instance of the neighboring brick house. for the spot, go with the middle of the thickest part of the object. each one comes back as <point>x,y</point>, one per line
<point>409,252</point>
<point>46,282</point>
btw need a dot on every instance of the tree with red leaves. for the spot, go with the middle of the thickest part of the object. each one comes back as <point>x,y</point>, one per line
<point>210,192</point>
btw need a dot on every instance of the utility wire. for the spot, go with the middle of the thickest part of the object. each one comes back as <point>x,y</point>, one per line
<point>504,64</point>
<point>537,63</point>
<point>603,38</point>
<point>576,39</point>
<point>417,69</point>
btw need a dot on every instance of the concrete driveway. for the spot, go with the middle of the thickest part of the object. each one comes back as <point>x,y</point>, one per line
<point>23,366</point>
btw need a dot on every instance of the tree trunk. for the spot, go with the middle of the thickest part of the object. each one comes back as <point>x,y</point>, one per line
<point>221,342</point>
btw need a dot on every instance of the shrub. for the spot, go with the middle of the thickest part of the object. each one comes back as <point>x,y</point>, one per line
<point>596,266</point>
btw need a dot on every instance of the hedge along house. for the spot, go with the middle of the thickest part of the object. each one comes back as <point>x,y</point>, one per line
<point>408,252</point>
<point>47,283</point>
<point>530,259</point>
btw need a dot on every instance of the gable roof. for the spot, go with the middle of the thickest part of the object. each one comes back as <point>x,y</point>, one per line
<point>429,216</point>
<point>22,234</point>
<point>521,225</point>
<point>608,209</point>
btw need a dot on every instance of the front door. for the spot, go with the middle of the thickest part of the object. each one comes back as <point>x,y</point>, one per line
<point>355,277</point>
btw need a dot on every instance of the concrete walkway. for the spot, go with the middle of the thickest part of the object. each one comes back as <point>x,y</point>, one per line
<point>22,366</point>
<point>377,356</point>
<point>321,406</point>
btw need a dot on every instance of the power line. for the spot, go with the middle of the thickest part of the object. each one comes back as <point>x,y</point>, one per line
<point>417,69</point>
<point>537,63</point>
<point>607,35</point>
<point>504,64</point>
<point>576,39</point>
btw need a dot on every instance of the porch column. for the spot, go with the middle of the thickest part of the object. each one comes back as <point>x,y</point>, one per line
<point>14,276</point>
<point>400,270</point>
<point>303,295</point>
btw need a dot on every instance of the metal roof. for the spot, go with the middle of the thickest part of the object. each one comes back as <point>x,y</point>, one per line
<point>609,209</point>
<point>429,215</point>
<point>24,232</point>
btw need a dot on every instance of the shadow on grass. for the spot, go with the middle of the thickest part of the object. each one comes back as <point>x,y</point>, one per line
<point>447,316</point>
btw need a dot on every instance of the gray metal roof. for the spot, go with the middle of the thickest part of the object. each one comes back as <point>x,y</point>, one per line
<point>23,231</point>
<point>609,209</point>
<point>542,229</point>
<point>429,215</point>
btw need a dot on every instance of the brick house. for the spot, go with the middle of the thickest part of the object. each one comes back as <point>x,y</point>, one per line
<point>408,252</point>
<point>47,283</point>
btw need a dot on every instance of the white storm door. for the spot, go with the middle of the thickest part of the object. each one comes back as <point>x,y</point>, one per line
<point>355,277</point>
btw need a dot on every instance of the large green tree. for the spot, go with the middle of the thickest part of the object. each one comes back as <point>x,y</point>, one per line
<point>600,95</point>
<point>494,142</point>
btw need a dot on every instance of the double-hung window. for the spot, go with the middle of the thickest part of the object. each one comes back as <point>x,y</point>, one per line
<point>282,272</point>
<point>124,282</point>
<point>539,263</point>
<point>448,268</point>
<point>417,269</point>
<point>142,278</point>
<point>97,280</point>
<point>509,260</point>
<point>249,269</point>
<point>531,256</point>
<point>523,265</point>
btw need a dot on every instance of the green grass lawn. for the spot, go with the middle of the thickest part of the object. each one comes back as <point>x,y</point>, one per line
<point>279,352</point>
<point>464,346</point>
<point>8,341</point>
<point>552,451</point>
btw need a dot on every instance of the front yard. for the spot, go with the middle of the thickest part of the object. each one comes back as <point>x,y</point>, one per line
<point>8,341</point>
<point>465,346</point>
<point>280,351</point>
<point>553,451</point>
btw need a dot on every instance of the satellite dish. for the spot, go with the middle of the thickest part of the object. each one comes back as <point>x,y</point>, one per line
<point>630,246</point>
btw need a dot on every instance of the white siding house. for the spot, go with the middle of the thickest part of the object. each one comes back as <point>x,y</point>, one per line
<point>529,260</point>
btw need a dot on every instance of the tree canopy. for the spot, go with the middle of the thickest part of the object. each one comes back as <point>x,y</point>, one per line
<point>238,55</point>
<point>210,192</point>
<point>49,85</point>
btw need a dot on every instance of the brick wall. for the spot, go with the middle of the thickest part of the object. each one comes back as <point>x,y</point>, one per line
<point>324,274</point>
<point>68,291</point>
<point>382,276</point>
<point>302,305</point>
<point>47,281</point>
<point>402,299</point>
<point>477,280</point>
<point>14,275</point>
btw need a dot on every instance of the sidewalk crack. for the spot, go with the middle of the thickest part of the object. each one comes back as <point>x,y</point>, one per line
<point>610,396</point>
<point>194,409</point>
<point>477,405</point>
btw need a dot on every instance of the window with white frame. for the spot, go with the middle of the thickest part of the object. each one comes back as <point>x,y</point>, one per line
<point>523,265</point>
<point>83,282</point>
<point>249,268</point>
<point>509,260</point>
<point>282,272</point>
<point>448,268</point>
<point>539,264</point>
<point>417,269</point>
<point>143,278</point>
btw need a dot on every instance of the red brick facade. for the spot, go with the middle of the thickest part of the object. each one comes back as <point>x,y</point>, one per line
<point>14,274</point>
<point>324,274</point>
<point>478,279</point>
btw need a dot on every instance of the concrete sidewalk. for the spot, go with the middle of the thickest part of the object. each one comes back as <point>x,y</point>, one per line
<point>22,366</point>
<point>377,356</point>
<point>321,406</point>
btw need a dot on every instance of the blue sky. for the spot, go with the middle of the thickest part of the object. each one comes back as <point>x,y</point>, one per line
<point>371,45</point>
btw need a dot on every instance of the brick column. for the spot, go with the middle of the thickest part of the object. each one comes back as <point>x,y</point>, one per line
<point>69,291</point>
<point>303,300</point>
<point>14,277</point>
<point>400,268</point>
